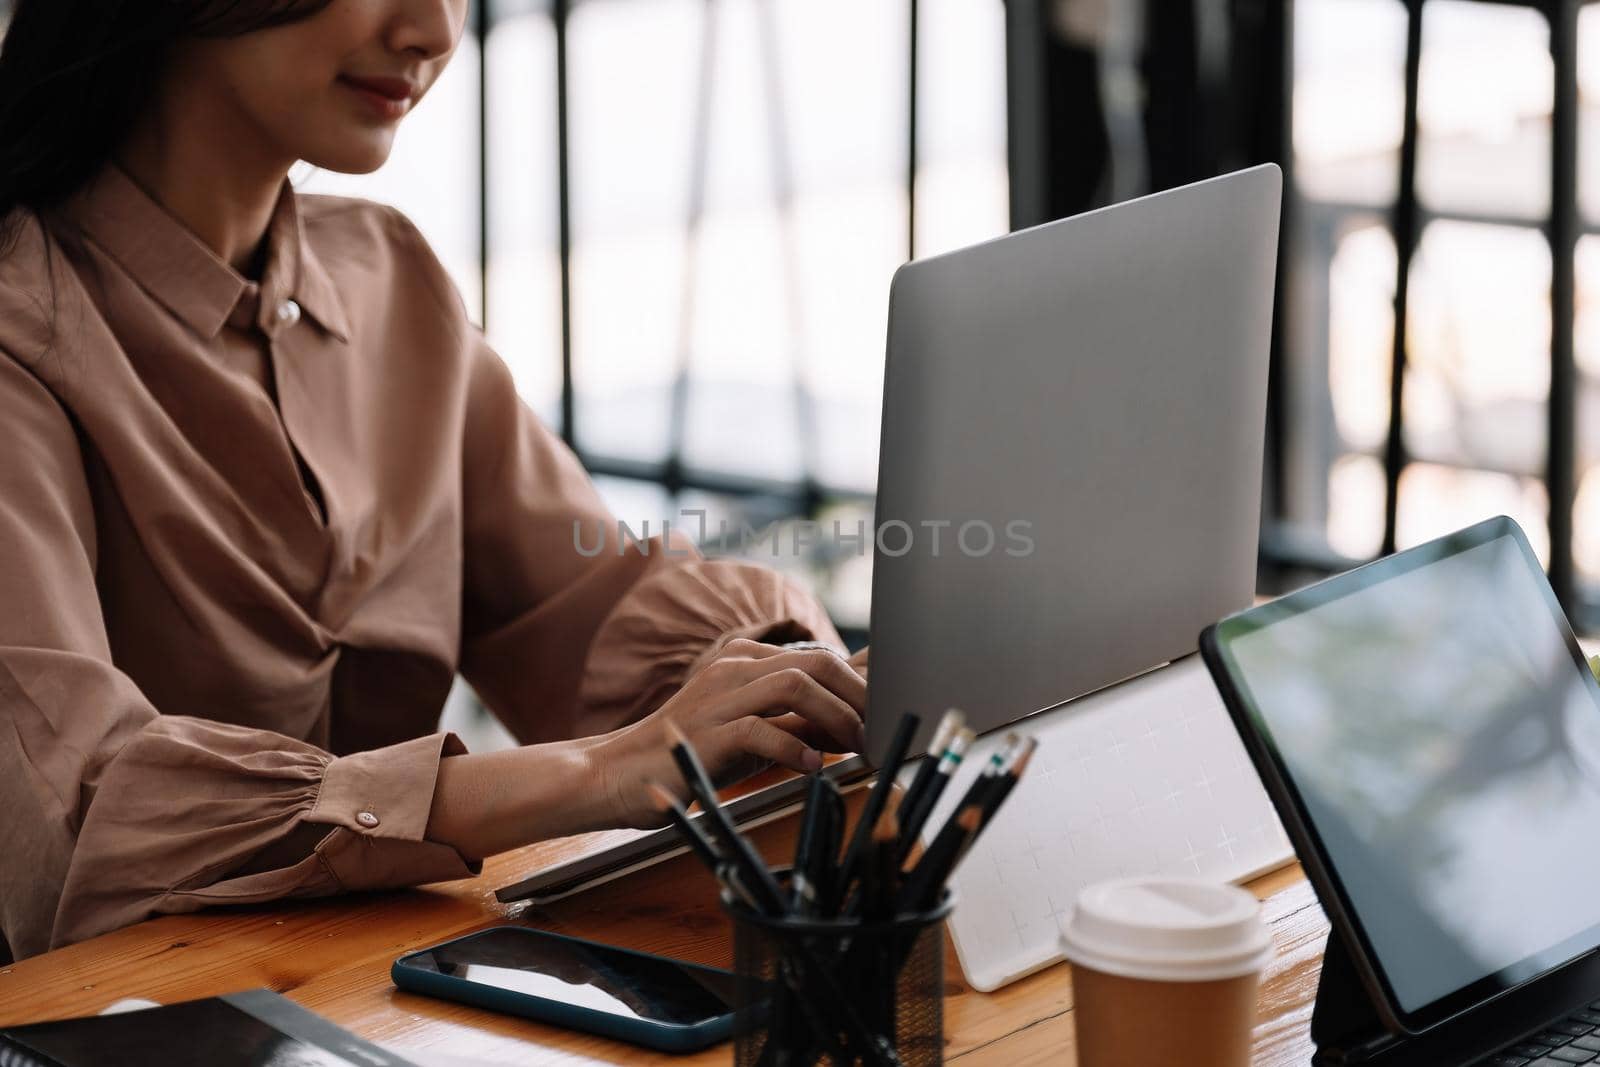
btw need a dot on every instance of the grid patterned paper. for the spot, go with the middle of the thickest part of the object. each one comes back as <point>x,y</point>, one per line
<point>1145,778</point>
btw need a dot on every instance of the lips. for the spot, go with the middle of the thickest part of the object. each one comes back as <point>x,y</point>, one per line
<point>388,88</point>
<point>389,97</point>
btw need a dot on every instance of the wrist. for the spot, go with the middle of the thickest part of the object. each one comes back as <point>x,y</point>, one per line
<point>604,761</point>
<point>609,761</point>
<point>623,763</point>
<point>487,803</point>
<point>583,785</point>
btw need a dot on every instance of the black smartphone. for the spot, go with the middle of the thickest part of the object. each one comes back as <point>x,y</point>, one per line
<point>644,999</point>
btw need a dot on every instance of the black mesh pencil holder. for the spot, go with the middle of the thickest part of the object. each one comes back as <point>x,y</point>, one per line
<point>839,992</point>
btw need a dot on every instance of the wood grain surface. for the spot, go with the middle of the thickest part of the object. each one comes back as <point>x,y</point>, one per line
<point>333,957</point>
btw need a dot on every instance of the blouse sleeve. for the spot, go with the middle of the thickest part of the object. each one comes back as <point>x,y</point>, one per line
<point>569,631</point>
<point>122,812</point>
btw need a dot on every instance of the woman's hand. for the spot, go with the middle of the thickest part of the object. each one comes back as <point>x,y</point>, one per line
<point>754,705</point>
<point>859,661</point>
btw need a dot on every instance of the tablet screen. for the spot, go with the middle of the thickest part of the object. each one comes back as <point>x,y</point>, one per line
<point>1443,737</point>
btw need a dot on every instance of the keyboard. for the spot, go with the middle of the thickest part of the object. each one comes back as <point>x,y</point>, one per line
<point>1575,1039</point>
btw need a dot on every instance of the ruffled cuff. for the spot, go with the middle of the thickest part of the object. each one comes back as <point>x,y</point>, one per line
<point>188,802</point>
<point>678,619</point>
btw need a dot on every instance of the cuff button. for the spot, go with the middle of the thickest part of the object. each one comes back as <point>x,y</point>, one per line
<point>367,819</point>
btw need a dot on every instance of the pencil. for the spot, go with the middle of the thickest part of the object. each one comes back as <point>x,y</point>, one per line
<point>668,805</point>
<point>879,891</point>
<point>992,767</point>
<point>917,813</point>
<point>880,878</point>
<point>873,807</point>
<point>751,869</point>
<point>720,868</point>
<point>812,848</point>
<point>920,890</point>
<point>948,726</point>
<point>955,838</point>
<point>1007,780</point>
<point>745,877</point>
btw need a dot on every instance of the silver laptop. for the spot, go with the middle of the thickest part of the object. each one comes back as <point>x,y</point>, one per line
<point>1069,487</point>
<point>1101,380</point>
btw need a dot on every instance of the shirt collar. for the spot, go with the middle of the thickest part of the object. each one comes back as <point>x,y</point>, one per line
<point>184,275</point>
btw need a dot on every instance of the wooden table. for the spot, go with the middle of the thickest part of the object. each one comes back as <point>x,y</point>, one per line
<point>333,957</point>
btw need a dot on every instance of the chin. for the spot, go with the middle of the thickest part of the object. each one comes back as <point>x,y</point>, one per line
<point>360,154</point>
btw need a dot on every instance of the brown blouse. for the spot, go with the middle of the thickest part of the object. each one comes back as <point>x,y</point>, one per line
<point>248,535</point>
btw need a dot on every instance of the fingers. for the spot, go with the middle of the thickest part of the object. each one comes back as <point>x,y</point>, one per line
<point>738,662</point>
<point>827,668</point>
<point>744,648</point>
<point>815,736</point>
<point>833,671</point>
<point>758,737</point>
<point>813,696</point>
<point>792,690</point>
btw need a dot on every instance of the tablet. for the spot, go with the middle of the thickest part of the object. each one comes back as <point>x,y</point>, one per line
<point>1430,733</point>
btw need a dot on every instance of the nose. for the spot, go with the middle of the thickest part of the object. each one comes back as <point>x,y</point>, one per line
<point>427,29</point>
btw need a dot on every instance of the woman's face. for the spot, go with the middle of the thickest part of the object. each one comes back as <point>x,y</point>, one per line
<point>332,88</point>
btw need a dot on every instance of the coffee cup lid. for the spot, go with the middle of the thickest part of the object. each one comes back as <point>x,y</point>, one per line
<point>1167,929</point>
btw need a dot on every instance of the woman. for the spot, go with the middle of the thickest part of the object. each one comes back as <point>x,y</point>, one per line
<point>263,491</point>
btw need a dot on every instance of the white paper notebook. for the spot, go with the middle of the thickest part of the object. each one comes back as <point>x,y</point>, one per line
<point>1147,777</point>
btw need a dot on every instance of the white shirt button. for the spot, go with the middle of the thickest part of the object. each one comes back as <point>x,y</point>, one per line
<point>367,819</point>
<point>288,313</point>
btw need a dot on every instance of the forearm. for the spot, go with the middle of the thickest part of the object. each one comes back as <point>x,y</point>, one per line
<point>490,802</point>
<point>483,804</point>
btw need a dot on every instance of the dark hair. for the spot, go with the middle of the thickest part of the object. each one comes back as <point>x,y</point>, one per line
<point>76,74</point>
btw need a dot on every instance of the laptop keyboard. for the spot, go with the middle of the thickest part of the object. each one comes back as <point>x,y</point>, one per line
<point>1575,1039</point>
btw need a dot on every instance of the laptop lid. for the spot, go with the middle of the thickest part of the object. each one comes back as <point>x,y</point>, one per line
<point>1430,733</point>
<point>1069,480</point>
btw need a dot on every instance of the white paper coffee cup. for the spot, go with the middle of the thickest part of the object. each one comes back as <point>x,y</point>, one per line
<point>1165,971</point>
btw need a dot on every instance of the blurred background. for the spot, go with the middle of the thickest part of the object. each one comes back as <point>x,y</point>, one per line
<point>677,220</point>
